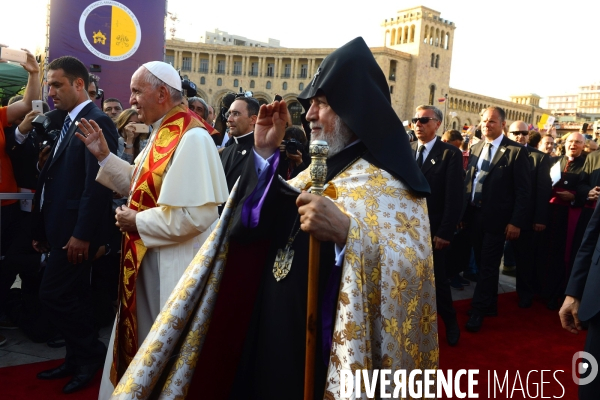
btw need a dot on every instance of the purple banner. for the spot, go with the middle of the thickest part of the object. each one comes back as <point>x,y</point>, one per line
<point>119,36</point>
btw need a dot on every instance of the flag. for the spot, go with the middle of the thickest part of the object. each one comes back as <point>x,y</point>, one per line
<point>441,99</point>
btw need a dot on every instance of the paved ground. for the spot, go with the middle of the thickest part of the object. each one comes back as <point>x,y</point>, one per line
<point>20,350</point>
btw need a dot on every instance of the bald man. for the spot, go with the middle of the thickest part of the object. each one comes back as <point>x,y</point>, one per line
<point>527,248</point>
<point>564,210</point>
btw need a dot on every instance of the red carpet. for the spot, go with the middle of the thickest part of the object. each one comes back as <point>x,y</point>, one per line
<point>517,340</point>
<point>20,383</point>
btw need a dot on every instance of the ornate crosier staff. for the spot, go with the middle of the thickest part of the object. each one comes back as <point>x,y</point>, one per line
<point>318,174</point>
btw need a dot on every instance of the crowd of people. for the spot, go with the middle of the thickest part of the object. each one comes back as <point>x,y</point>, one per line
<point>125,199</point>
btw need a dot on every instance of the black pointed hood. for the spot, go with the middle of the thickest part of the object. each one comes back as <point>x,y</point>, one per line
<point>356,89</point>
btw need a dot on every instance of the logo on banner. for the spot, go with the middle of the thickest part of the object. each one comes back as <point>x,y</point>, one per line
<point>110,30</point>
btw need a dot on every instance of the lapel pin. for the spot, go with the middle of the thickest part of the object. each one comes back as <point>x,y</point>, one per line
<point>566,182</point>
<point>502,149</point>
<point>243,152</point>
<point>432,161</point>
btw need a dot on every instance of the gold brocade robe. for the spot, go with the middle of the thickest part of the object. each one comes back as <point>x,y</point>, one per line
<point>386,313</point>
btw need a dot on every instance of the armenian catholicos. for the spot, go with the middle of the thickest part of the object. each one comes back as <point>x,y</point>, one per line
<point>376,303</point>
<point>174,189</point>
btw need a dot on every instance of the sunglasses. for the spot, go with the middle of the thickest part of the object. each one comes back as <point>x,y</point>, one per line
<point>423,120</point>
<point>517,133</point>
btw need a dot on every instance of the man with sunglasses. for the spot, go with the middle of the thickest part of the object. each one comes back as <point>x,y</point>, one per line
<point>441,163</point>
<point>498,193</point>
<point>241,118</point>
<point>528,247</point>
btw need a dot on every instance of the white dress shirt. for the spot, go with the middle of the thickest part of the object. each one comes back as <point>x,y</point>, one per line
<point>427,150</point>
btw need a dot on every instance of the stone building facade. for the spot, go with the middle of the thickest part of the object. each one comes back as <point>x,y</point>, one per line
<point>415,55</point>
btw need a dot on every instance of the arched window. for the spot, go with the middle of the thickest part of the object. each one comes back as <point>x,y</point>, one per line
<point>393,38</point>
<point>432,59</point>
<point>236,83</point>
<point>453,124</point>
<point>295,110</point>
<point>437,61</point>
<point>268,84</point>
<point>412,33</point>
<point>284,85</point>
<point>405,40</point>
<point>251,84</point>
<point>202,80</point>
<point>431,94</point>
<point>219,82</point>
<point>431,35</point>
<point>437,38</point>
<point>301,86</point>
<point>391,88</point>
<point>426,34</point>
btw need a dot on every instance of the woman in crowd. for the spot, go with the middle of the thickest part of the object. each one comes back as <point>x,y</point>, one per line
<point>131,142</point>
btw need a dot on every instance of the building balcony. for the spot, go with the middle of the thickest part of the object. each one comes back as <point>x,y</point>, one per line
<point>284,75</point>
<point>203,70</point>
<point>252,73</point>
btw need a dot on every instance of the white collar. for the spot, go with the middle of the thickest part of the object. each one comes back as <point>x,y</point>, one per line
<point>427,145</point>
<point>239,137</point>
<point>75,111</point>
<point>496,142</point>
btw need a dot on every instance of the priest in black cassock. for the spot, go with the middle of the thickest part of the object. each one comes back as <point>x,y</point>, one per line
<point>235,325</point>
<point>564,211</point>
<point>241,118</point>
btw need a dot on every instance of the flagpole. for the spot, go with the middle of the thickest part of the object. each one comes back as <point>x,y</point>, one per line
<point>445,111</point>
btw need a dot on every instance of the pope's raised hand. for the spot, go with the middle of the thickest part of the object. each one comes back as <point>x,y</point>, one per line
<point>93,138</point>
<point>270,127</point>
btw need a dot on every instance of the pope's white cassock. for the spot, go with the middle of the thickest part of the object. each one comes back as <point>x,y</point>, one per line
<point>193,186</point>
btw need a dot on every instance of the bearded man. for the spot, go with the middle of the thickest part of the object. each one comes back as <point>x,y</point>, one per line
<point>376,301</point>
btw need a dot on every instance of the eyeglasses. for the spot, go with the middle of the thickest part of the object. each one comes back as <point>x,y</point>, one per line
<point>517,133</point>
<point>423,120</point>
<point>234,114</point>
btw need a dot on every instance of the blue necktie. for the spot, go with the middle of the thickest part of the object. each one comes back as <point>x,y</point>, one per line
<point>63,132</point>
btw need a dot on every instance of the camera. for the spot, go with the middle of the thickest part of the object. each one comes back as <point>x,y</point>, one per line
<point>41,123</point>
<point>189,88</point>
<point>292,146</point>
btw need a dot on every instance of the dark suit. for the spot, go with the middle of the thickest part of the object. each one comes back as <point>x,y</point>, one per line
<point>443,170</point>
<point>75,205</point>
<point>562,220</point>
<point>234,158</point>
<point>584,284</point>
<point>528,247</point>
<point>504,200</point>
<point>589,178</point>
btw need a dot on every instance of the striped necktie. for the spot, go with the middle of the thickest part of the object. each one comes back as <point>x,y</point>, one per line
<point>63,132</point>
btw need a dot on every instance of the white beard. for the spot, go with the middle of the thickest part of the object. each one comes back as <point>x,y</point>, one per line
<point>337,140</point>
